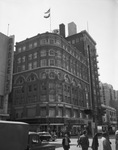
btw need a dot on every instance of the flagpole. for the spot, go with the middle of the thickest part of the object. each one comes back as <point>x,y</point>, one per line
<point>8,30</point>
<point>50,19</point>
<point>48,15</point>
<point>87,27</point>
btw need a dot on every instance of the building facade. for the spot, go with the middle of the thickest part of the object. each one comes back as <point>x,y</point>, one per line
<point>87,47</point>
<point>109,119</point>
<point>6,70</point>
<point>107,94</point>
<point>51,83</point>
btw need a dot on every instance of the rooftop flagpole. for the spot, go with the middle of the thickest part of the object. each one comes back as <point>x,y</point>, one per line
<point>87,27</point>
<point>48,15</point>
<point>50,19</point>
<point>8,30</point>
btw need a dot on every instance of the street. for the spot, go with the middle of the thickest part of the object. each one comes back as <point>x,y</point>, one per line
<point>73,145</point>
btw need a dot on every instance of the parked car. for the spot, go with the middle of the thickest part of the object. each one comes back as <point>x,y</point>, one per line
<point>53,136</point>
<point>45,136</point>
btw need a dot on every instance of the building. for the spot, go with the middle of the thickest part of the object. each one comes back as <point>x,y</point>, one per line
<point>87,47</point>
<point>107,93</point>
<point>72,29</point>
<point>109,119</point>
<point>52,82</point>
<point>6,69</point>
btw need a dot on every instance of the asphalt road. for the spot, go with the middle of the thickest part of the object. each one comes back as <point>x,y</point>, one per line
<point>73,144</point>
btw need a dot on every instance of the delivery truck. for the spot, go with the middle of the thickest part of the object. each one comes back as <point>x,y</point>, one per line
<point>16,136</point>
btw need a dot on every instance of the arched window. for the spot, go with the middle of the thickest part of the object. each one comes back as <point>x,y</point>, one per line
<point>31,77</point>
<point>51,52</point>
<point>51,75</point>
<point>43,75</point>
<point>20,80</point>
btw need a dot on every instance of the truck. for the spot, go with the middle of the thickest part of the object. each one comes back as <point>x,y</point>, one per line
<point>16,136</point>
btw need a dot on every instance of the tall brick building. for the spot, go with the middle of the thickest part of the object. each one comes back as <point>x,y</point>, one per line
<point>52,81</point>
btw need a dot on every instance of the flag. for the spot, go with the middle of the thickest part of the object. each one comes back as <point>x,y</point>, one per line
<point>47,11</point>
<point>47,14</point>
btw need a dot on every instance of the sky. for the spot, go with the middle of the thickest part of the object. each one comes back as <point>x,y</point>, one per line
<point>25,19</point>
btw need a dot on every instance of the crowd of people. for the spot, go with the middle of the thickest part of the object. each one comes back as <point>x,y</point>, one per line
<point>83,141</point>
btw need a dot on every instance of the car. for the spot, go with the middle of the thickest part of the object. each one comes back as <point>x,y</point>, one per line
<point>34,143</point>
<point>53,136</point>
<point>45,136</point>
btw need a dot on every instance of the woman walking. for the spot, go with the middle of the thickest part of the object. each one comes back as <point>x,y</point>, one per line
<point>95,142</point>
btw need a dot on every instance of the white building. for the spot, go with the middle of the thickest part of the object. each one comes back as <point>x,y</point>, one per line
<point>72,29</point>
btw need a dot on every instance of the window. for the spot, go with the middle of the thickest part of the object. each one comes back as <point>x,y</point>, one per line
<point>51,41</point>
<point>19,60</point>
<point>19,50</point>
<point>1,101</point>
<point>43,112</point>
<point>43,98</point>
<point>30,56</point>
<point>43,75</point>
<point>59,63</point>
<point>35,55</point>
<point>64,57</point>
<point>67,112</point>
<point>29,66</point>
<point>43,62</point>
<point>60,112</point>
<point>35,64</point>
<point>51,62</point>
<point>58,54</point>
<point>24,48</point>
<point>59,98</point>
<point>58,42</point>
<point>73,41</point>
<point>51,85</point>
<point>52,75</point>
<point>23,67</point>
<point>43,41</point>
<point>43,53</point>
<point>30,46</point>
<point>75,114</point>
<point>43,87</point>
<point>51,98</point>
<point>23,59</point>
<point>29,88</point>
<point>51,52</point>
<point>35,87</point>
<point>52,112</point>
<point>77,40</point>
<point>35,44</point>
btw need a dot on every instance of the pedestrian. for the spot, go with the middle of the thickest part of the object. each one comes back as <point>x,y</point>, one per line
<point>66,142</point>
<point>84,141</point>
<point>78,138</point>
<point>116,139</point>
<point>95,142</point>
<point>105,141</point>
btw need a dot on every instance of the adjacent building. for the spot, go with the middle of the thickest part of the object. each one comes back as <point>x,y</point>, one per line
<point>107,93</point>
<point>109,119</point>
<point>55,80</point>
<point>6,70</point>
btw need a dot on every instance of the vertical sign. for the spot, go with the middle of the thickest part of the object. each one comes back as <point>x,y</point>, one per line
<point>9,65</point>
